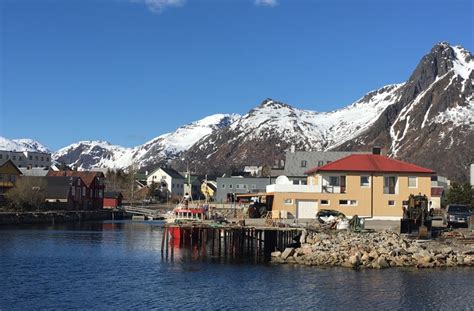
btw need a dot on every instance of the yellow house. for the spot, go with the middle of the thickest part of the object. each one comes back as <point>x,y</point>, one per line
<point>367,185</point>
<point>9,173</point>
<point>208,189</point>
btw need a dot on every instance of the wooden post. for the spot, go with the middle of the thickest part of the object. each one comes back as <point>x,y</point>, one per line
<point>163,241</point>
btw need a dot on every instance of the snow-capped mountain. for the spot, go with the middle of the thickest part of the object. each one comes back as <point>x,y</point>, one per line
<point>426,119</point>
<point>24,144</point>
<point>88,154</point>
<point>432,122</point>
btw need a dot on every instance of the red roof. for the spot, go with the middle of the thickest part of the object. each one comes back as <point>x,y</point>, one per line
<point>370,163</point>
<point>86,176</point>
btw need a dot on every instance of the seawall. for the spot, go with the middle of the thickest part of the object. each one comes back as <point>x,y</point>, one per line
<point>16,218</point>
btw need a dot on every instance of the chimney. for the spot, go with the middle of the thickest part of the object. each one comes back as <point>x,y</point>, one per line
<point>376,150</point>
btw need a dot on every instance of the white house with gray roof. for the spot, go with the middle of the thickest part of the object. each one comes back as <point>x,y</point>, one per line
<point>167,179</point>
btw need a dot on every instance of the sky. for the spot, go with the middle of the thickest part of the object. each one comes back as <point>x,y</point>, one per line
<point>127,71</point>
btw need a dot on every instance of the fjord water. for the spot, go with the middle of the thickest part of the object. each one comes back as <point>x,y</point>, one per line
<point>118,265</point>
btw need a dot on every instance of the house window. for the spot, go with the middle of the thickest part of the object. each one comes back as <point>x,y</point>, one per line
<point>334,181</point>
<point>391,203</point>
<point>237,186</point>
<point>47,159</point>
<point>254,186</point>
<point>347,202</point>
<point>389,184</point>
<point>230,186</point>
<point>42,158</point>
<point>288,201</point>
<point>324,202</point>
<point>412,182</point>
<point>36,158</point>
<point>19,158</point>
<point>303,163</point>
<point>245,186</point>
<point>31,158</point>
<point>320,163</point>
<point>364,181</point>
<point>83,191</point>
<point>223,186</point>
<point>14,157</point>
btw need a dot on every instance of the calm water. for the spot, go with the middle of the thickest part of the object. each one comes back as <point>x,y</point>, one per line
<point>118,265</point>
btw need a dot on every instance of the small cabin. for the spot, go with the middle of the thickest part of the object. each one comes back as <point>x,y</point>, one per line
<point>113,199</point>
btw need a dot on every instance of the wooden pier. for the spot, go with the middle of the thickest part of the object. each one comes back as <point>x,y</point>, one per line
<point>227,242</point>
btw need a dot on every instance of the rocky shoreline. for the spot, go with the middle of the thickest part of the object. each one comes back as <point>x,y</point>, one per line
<point>378,250</point>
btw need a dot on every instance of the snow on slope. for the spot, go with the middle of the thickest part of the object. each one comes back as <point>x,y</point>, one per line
<point>316,131</point>
<point>87,154</point>
<point>24,144</point>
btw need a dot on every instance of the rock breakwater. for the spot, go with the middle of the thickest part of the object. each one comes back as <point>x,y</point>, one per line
<point>377,250</point>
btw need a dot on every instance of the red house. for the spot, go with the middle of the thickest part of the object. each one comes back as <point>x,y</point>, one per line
<point>113,200</point>
<point>94,182</point>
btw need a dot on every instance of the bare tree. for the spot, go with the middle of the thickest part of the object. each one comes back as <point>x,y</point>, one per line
<point>28,194</point>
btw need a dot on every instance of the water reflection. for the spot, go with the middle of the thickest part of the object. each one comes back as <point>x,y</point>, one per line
<point>119,265</point>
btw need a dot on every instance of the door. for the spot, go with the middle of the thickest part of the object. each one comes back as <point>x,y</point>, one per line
<point>306,209</point>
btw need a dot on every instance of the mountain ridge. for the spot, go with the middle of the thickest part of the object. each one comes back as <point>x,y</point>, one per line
<point>427,118</point>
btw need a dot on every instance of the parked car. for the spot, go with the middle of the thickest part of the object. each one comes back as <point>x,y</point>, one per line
<point>458,215</point>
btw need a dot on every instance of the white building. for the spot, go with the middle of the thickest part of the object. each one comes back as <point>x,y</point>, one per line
<point>26,158</point>
<point>167,179</point>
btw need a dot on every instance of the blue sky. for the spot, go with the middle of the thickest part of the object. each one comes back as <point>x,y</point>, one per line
<point>129,70</point>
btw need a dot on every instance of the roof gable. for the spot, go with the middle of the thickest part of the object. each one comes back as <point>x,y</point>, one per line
<point>8,167</point>
<point>371,163</point>
<point>86,176</point>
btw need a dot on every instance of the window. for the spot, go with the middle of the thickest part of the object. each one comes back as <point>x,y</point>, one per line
<point>304,163</point>
<point>237,186</point>
<point>19,158</point>
<point>42,158</point>
<point>14,157</point>
<point>36,158</point>
<point>324,202</point>
<point>320,163</point>
<point>223,186</point>
<point>245,186</point>
<point>31,157</point>
<point>1,156</point>
<point>347,202</point>
<point>254,186</point>
<point>391,203</point>
<point>47,159</point>
<point>412,182</point>
<point>389,184</point>
<point>288,201</point>
<point>364,181</point>
<point>230,186</point>
<point>83,191</point>
<point>334,181</point>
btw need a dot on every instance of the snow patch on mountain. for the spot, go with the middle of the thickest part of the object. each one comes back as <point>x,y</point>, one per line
<point>24,144</point>
<point>315,130</point>
<point>102,154</point>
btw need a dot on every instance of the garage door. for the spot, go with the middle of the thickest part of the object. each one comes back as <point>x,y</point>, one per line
<point>306,209</point>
